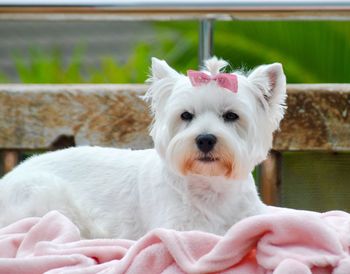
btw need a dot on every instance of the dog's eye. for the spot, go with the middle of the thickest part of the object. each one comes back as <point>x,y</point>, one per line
<point>230,116</point>
<point>186,116</point>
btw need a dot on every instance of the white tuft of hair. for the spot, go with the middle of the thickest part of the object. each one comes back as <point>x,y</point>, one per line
<point>215,65</point>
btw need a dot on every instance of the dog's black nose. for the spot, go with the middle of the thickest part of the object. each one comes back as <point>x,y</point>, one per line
<point>205,142</point>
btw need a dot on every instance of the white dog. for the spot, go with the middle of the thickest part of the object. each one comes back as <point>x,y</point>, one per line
<point>210,130</point>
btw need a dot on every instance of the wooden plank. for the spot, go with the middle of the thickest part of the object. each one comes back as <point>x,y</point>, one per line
<point>270,178</point>
<point>10,159</point>
<point>317,118</point>
<point>36,116</point>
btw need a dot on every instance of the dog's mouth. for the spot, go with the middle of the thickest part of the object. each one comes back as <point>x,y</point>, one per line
<point>208,159</point>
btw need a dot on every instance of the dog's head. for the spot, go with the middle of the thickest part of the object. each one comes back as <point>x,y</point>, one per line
<point>206,128</point>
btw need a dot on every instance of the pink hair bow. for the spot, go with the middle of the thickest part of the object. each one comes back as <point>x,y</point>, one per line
<point>224,80</point>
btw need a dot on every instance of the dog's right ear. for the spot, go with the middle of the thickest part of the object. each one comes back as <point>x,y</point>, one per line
<point>162,81</point>
<point>161,70</point>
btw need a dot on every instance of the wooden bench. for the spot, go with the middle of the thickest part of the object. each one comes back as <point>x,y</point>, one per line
<point>47,117</point>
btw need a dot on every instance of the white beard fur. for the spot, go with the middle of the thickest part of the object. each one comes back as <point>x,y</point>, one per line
<point>118,193</point>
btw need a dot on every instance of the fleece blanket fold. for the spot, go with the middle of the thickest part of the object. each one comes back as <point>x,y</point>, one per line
<point>283,241</point>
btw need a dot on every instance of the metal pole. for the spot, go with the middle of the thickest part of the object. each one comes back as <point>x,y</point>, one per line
<point>205,46</point>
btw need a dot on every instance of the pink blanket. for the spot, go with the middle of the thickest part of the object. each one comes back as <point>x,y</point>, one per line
<point>281,242</point>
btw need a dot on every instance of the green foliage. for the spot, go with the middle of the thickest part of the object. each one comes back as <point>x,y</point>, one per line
<point>3,78</point>
<point>134,70</point>
<point>48,67</point>
<point>44,67</point>
<point>311,52</point>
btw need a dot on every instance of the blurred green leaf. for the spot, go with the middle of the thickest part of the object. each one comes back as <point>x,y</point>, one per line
<point>311,52</point>
<point>3,78</point>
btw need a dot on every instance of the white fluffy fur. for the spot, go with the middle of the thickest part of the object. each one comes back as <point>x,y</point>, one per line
<point>112,192</point>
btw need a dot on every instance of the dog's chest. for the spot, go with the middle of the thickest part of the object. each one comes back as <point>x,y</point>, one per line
<point>174,203</point>
<point>209,212</point>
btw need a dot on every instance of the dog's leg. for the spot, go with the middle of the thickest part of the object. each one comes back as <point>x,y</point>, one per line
<point>37,194</point>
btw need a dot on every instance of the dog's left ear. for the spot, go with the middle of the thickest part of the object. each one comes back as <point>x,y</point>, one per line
<point>271,83</point>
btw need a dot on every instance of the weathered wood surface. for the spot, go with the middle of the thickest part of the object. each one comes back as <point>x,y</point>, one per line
<point>36,116</point>
<point>317,118</point>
